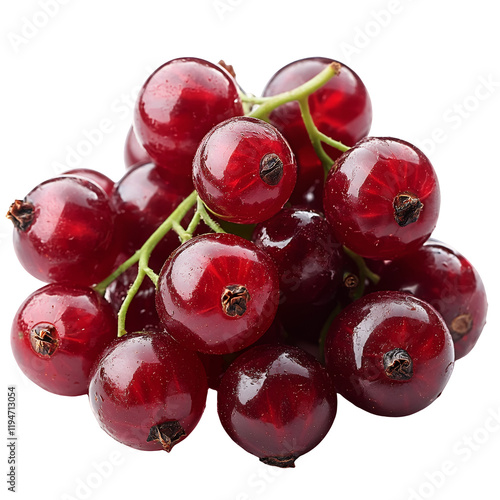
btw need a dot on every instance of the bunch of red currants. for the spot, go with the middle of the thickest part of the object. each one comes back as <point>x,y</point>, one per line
<point>261,246</point>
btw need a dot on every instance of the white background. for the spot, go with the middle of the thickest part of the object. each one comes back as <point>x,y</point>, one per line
<point>423,62</point>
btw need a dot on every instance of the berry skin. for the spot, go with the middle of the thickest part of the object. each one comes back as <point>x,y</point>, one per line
<point>389,353</point>
<point>57,335</point>
<point>63,230</point>
<point>244,171</point>
<point>382,198</point>
<point>179,103</point>
<point>147,391</point>
<point>308,259</point>
<point>277,403</point>
<point>445,279</point>
<point>340,109</point>
<point>134,153</point>
<point>103,181</point>
<point>217,293</point>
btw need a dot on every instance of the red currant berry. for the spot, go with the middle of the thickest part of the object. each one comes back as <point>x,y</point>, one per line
<point>217,364</point>
<point>340,109</point>
<point>63,231</point>
<point>304,323</point>
<point>103,181</point>
<point>134,153</point>
<point>309,188</point>
<point>389,353</point>
<point>147,391</point>
<point>244,171</point>
<point>308,259</point>
<point>445,279</point>
<point>382,198</point>
<point>143,199</point>
<point>179,103</point>
<point>57,335</point>
<point>277,403</point>
<point>217,293</point>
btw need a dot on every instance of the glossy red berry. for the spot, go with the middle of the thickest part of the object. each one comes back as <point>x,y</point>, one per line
<point>217,293</point>
<point>308,258</point>
<point>134,153</point>
<point>103,181</point>
<point>57,335</point>
<point>179,103</point>
<point>143,199</point>
<point>447,280</point>
<point>389,353</point>
<point>244,171</point>
<point>147,391</point>
<point>309,188</point>
<point>340,109</point>
<point>63,231</point>
<point>217,364</point>
<point>277,403</point>
<point>382,198</point>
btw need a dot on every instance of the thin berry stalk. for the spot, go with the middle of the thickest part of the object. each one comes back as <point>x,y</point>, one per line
<point>268,104</point>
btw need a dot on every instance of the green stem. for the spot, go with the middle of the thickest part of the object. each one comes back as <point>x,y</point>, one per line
<point>145,253</point>
<point>332,142</point>
<point>364,273</point>
<point>202,210</point>
<point>182,233</point>
<point>251,99</point>
<point>101,287</point>
<point>268,104</point>
<point>313,132</point>
<point>191,227</point>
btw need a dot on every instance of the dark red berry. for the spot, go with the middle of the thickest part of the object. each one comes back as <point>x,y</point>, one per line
<point>382,198</point>
<point>308,258</point>
<point>389,353</point>
<point>147,391</point>
<point>103,181</point>
<point>179,103</point>
<point>341,109</point>
<point>57,335</point>
<point>244,171</point>
<point>304,323</point>
<point>447,280</point>
<point>217,294</point>
<point>134,153</point>
<point>217,364</point>
<point>143,199</point>
<point>309,188</point>
<point>64,231</point>
<point>277,403</point>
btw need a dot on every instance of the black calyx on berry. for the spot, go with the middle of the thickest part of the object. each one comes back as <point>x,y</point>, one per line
<point>167,434</point>
<point>461,325</point>
<point>44,340</point>
<point>398,364</point>
<point>407,208</point>
<point>351,280</point>
<point>282,462</point>
<point>22,214</point>
<point>234,300</point>
<point>271,169</point>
